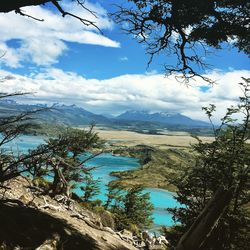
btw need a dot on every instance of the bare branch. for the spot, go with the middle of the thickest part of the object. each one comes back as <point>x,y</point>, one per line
<point>6,95</point>
<point>185,30</point>
<point>65,13</point>
<point>81,3</point>
<point>19,11</point>
<point>13,5</point>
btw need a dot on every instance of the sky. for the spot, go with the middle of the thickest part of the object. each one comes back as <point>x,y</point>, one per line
<point>61,60</point>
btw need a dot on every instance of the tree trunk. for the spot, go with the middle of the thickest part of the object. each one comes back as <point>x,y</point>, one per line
<point>205,223</point>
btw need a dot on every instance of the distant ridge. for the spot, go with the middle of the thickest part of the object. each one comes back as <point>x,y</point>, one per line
<point>168,118</point>
<point>59,114</point>
<point>73,115</point>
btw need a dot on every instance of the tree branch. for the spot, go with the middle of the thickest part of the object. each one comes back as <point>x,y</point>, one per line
<point>16,5</point>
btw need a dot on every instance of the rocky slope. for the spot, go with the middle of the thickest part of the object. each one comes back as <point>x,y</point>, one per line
<point>30,220</point>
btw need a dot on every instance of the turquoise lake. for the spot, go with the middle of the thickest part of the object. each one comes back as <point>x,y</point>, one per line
<point>107,163</point>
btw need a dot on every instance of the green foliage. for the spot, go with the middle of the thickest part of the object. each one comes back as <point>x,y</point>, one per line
<point>63,160</point>
<point>133,228</point>
<point>60,159</point>
<point>130,206</point>
<point>42,183</point>
<point>91,204</point>
<point>90,187</point>
<point>224,162</point>
<point>13,124</point>
<point>75,142</point>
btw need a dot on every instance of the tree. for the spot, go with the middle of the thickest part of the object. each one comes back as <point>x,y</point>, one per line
<point>16,5</point>
<point>61,159</point>
<point>12,125</point>
<point>65,158</point>
<point>224,162</point>
<point>186,28</point>
<point>131,206</point>
<point>54,155</point>
<point>91,187</point>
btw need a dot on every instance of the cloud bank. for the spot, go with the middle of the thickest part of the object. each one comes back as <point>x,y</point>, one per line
<point>43,42</point>
<point>151,92</point>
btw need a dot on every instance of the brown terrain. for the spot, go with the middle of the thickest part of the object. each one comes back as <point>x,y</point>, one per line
<point>130,138</point>
<point>31,221</point>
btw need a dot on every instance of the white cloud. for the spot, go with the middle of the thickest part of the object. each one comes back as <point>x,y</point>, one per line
<point>43,42</point>
<point>9,56</point>
<point>123,59</point>
<point>42,51</point>
<point>140,92</point>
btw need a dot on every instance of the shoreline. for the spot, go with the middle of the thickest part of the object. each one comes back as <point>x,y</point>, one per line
<point>158,167</point>
<point>163,190</point>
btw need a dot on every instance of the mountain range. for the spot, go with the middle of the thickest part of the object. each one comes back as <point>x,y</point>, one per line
<point>168,118</point>
<point>76,116</point>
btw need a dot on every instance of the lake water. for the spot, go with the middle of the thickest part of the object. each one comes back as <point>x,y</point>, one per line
<point>107,163</point>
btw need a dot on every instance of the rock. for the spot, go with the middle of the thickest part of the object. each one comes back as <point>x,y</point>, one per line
<point>25,198</point>
<point>15,248</point>
<point>67,231</point>
<point>103,238</point>
<point>156,247</point>
<point>127,233</point>
<point>37,225</point>
<point>125,237</point>
<point>99,223</point>
<point>108,229</point>
<point>50,244</point>
<point>107,219</point>
<point>162,240</point>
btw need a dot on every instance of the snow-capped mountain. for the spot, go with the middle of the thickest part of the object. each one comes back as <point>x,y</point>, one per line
<point>170,118</point>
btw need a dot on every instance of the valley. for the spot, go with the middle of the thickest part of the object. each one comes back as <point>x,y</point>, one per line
<point>161,141</point>
<point>55,117</point>
<point>176,139</point>
<point>163,158</point>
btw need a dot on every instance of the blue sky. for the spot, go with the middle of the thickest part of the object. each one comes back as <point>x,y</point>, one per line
<point>60,60</point>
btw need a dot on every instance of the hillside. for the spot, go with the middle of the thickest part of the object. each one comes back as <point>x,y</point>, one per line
<point>158,166</point>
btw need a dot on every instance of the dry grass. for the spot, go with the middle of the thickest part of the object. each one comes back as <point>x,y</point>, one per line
<point>129,138</point>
